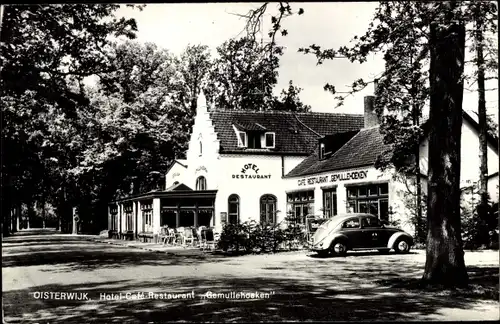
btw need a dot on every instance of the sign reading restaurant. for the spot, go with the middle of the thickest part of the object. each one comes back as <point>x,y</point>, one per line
<point>250,171</point>
<point>351,175</point>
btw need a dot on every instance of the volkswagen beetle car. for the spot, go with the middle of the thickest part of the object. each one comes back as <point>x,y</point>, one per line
<point>358,231</point>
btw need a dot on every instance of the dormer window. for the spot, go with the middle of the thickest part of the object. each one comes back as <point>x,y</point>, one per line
<point>242,139</point>
<point>269,139</point>
<point>321,151</point>
<point>254,137</point>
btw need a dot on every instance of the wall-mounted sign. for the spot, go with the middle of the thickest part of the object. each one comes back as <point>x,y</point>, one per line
<point>201,168</point>
<point>223,217</point>
<point>250,171</point>
<point>351,175</point>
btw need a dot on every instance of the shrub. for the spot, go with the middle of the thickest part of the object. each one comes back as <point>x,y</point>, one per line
<point>233,237</point>
<point>477,232</point>
<point>253,237</point>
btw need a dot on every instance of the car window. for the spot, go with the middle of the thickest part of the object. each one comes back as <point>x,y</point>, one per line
<point>351,223</point>
<point>370,222</point>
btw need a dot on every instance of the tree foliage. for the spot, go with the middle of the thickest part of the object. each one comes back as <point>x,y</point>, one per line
<point>47,51</point>
<point>243,76</point>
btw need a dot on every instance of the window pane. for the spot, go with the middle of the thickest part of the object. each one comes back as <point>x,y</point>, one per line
<point>370,222</point>
<point>384,189</point>
<point>362,191</point>
<point>352,223</point>
<point>373,207</point>
<point>352,192</point>
<point>242,138</point>
<point>233,208</point>
<point>270,140</point>
<point>327,200</point>
<point>384,209</point>
<point>372,190</point>
<point>351,207</point>
<point>362,207</point>
<point>334,204</point>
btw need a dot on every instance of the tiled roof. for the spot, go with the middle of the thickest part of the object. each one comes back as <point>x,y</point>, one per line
<point>362,149</point>
<point>296,133</point>
<point>177,187</point>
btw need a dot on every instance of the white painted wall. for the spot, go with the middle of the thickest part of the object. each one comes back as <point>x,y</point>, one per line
<point>470,161</point>
<point>397,191</point>
<point>250,190</point>
<point>176,173</point>
<point>493,188</point>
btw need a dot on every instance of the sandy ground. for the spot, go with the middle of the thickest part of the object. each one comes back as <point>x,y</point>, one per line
<point>126,284</point>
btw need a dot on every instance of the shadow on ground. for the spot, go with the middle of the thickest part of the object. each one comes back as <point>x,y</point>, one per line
<point>357,287</point>
<point>73,253</point>
<point>288,300</point>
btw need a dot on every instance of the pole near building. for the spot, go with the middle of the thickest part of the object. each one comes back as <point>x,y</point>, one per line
<point>75,221</point>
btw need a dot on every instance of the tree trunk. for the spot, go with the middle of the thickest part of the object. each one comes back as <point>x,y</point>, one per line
<point>75,222</point>
<point>483,132</point>
<point>444,256</point>
<point>29,211</point>
<point>18,217</point>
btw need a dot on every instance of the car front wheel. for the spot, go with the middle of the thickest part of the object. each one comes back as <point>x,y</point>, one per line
<point>339,248</point>
<point>402,245</point>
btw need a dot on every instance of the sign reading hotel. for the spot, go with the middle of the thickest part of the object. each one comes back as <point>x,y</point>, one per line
<point>351,175</point>
<point>250,171</point>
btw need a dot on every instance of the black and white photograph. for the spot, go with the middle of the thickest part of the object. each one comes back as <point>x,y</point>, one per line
<point>250,162</point>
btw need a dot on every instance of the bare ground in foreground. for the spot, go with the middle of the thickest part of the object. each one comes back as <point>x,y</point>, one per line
<point>301,286</point>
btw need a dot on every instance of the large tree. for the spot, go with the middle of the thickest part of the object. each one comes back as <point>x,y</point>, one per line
<point>192,72</point>
<point>483,14</point>
<point>47,51</point>
<point>407,34</point>
<point>445,257</point>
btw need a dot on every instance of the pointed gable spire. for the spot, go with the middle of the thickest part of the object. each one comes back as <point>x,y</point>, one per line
<point>201,103</point>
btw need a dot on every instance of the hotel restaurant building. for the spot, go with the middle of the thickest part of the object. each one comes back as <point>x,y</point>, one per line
<point>271,165</point>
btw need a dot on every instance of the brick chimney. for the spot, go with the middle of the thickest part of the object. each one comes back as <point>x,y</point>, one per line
<point>371,118</point>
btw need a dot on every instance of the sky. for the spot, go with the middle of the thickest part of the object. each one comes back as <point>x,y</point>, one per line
<point>328,24</point>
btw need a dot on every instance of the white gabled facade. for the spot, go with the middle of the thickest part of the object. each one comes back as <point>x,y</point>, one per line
<point>252,177</point>
<point>398,189</point>
<point>249,176</point>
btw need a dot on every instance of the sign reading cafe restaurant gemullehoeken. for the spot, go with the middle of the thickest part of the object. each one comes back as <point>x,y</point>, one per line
<point>351,175</point>
<point>250,171</point>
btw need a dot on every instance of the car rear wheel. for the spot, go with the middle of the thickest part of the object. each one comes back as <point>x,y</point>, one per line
<point>339,248</point>
<point>402,245</point>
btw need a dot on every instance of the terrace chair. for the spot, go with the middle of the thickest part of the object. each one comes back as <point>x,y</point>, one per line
<point>199,234</point>
<point>179,236</point>
<point>210,239</point>
<point>163,234</point>
<point>170,238</point>
<point>188,236</point>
